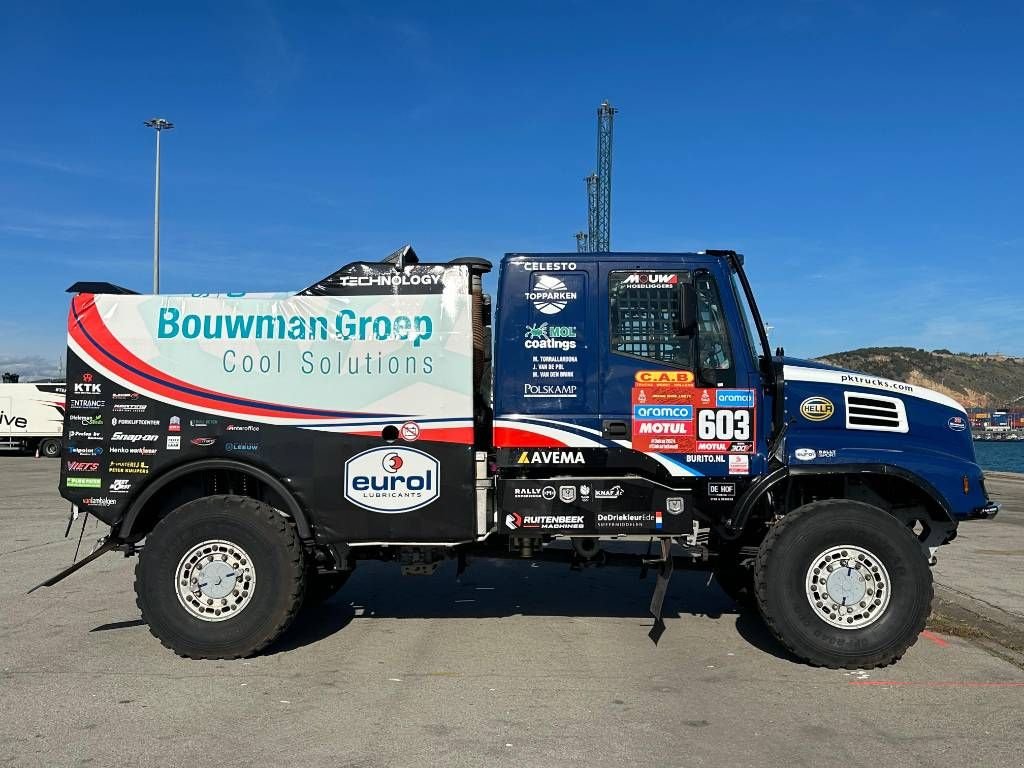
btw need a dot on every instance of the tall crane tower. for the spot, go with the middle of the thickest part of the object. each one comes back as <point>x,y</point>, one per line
<point>599,187</point>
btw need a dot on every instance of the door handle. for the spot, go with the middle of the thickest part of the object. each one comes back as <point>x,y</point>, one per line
<point>615,428</point>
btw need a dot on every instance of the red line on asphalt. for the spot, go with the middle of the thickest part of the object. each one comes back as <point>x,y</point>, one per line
<point>938,683</point>
<point>935,639</point>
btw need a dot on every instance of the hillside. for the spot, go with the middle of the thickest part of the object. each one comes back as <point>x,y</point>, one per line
<point>981,380</point>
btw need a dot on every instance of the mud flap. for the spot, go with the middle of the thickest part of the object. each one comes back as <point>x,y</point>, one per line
<point>660,590</point>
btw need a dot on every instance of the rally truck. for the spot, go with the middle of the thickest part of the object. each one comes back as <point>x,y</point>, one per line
<point>252,449</point>
<point>32,417</point>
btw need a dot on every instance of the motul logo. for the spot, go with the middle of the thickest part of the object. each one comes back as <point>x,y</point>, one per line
<point>83,466</point>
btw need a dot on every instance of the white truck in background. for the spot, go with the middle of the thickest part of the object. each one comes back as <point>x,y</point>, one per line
<point>32,417</point>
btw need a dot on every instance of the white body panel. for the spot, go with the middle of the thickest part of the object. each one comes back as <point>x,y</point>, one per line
<point>31,411</point>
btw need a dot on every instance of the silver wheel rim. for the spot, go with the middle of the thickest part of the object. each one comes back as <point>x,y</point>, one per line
<point>848,587</point>
<point>215,580</point>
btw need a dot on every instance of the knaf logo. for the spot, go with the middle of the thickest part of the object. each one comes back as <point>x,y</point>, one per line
<point>392,480</point>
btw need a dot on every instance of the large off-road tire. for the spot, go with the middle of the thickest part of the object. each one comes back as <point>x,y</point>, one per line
<point>220,577</point>
<point>843,584</point>
<point>50,448</point>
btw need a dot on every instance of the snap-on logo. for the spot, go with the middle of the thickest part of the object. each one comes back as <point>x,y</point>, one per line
<point>392,480</point>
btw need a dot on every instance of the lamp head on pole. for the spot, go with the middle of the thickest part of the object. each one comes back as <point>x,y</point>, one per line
<point>159,123</point>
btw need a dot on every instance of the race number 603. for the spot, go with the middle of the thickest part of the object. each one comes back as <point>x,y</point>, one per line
<point>723,424</point>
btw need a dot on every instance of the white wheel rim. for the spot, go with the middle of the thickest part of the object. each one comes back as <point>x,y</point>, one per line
<point>215,580</point>
<point>848,587</point>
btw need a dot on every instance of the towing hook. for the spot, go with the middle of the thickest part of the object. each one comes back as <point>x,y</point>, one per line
<point>586,547</point>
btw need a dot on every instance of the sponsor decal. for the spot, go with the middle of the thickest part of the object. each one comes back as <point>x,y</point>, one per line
<point>134,422</point>
<point>657,518</point>
<point>663,412</point>
<point>734,398</point>
<point>83,482</point>
<point>410,431</point>
<point>739,464</point>
<point>704,458</point>
<point>86,377</point>
<point>387,279</point>
<point>664,377</point>
<point>241,428</point>
<point>675,505</point>
<point>203,442</point>
<point>392,480</point>
<point>549,295</point>
<point>721,491</point>
<point>19,422</point>
<point>741,447</point>
<point>87,388</point>
<point>549,266</point>
<point>549,390</point>
<point>174,442</point>
<point>83,466</point>
<point>712,446</point>
<point>548,493</point>
<point>346,325</point>
<point>609,493</point>
<point>567,493</point>
<point>876,383</point>
<point>805,454</point>
<point>817,408</point>
<point>515,521</point>
<point>79,451</point>
<point>95,420</point>
<point>203,423</point>
<point>130,408</point>
<point>585,493</point>
<point>119,485</point>
<point>547,336</point>
<point>242,447</point>
<point>78,434</point>
<point>626,519</point>
<point>526,493</point>
<point>651,280</point>
<point>126,395</point>
<point>128,468</point>
<point>99,501</point>
<point>957,423</point>
<point>137,450</point>
<point>131,437</point>
<point>174,424</point>
<point>550,457</point>
<point>86,403</point>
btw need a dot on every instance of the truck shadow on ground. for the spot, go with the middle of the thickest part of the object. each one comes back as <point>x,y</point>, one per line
<point>503,588</point>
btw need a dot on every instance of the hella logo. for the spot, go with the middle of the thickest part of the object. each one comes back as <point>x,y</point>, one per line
<point>392,480</point>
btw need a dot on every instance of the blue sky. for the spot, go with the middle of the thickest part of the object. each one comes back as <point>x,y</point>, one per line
<point>868,158</point>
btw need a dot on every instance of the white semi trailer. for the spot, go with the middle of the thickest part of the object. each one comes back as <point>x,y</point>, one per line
<point>32,417</point>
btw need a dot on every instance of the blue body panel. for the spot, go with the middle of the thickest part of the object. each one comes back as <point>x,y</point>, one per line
<point>560,382</point>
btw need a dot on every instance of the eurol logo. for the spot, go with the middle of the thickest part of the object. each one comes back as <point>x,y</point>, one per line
<point>392,480</point>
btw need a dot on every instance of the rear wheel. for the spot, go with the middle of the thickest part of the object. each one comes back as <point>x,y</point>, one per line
<point>50,448</point>
<point>843,584</point>
<point>220,577</point>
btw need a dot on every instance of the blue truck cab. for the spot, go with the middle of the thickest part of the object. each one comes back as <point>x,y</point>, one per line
<point>253,449</point>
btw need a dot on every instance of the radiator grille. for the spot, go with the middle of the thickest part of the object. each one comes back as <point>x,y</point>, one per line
<point>875,413</point>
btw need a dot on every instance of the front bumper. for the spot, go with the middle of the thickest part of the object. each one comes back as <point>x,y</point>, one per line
<point>986,512</point>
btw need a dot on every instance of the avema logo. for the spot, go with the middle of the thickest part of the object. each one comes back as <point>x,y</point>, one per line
<point>392,480</point>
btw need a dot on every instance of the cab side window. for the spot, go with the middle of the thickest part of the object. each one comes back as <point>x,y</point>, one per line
<point>645,322</point>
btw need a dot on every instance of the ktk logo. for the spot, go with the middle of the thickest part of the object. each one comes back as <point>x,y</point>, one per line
<point>87,388</point>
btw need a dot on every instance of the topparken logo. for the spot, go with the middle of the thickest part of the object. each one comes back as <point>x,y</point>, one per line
<point>392,480</point>
<point>549,295</point>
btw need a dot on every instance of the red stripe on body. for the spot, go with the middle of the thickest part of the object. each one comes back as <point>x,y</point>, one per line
<point>510,437</point>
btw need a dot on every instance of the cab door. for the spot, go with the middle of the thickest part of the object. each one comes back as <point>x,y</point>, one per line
<point>685,399</point>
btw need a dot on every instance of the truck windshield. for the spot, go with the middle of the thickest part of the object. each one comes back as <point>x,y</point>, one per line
<point>747,319</point>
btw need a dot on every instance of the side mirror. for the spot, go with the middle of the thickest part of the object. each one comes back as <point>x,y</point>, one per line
<point>687,298</point>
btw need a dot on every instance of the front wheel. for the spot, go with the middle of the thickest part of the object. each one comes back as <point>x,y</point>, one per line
<point>843,584</point>
<point>220,577</point>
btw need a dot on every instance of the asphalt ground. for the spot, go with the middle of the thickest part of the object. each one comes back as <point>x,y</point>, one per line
<point>516,664</point>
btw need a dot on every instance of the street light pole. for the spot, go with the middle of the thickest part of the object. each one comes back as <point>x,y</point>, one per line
<point>159,125</point>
